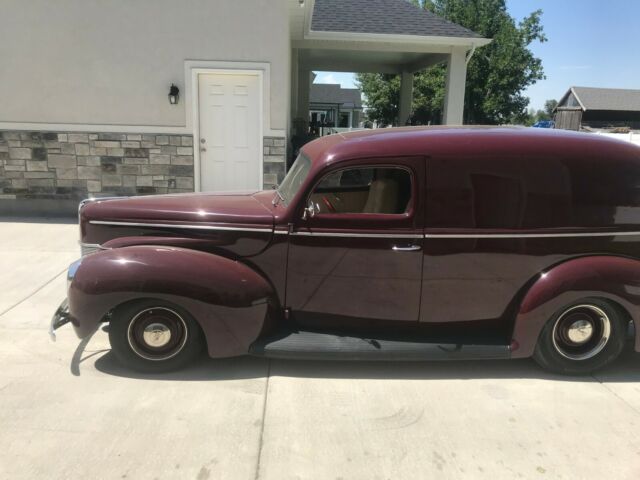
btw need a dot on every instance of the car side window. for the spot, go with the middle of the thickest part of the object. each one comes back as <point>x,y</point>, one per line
<point>364,190</point>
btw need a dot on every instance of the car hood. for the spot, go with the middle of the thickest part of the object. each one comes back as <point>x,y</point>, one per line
<point>223,219</point>
<point>199,208</point>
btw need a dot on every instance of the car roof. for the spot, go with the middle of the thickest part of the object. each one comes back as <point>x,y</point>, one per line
<point>471,141</point>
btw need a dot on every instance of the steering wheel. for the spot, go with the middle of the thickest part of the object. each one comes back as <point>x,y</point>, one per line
<point>328,204</point>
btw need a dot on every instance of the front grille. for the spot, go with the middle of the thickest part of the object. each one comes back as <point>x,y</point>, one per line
<point>87,248</point>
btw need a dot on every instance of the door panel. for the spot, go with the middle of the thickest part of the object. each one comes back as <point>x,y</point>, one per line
<point>361,278</point>
<point>230,127</point>
<point>354,269</point>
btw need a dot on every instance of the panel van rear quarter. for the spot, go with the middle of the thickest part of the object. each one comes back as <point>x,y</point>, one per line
<point>509,213</point>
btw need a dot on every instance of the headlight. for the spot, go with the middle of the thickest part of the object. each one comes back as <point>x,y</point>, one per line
<point>71,272</point>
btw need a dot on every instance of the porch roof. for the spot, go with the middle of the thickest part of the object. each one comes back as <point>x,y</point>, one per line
<point>384,36</point>
<point>391,17</point>
<point>377,36</point>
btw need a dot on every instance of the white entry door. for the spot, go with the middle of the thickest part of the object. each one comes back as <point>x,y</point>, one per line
<point>230,140</point>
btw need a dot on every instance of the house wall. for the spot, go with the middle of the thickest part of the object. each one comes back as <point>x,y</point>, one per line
<point>567,118</point>
<point>611,118</point>
<point>104,69</point>
<point>111,63</point>
<point>335,110</point>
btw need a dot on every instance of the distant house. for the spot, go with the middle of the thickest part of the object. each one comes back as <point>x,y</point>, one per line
<point>598,108</point>
<point>333,106</point>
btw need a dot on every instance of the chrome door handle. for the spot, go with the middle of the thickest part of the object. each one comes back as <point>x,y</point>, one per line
<point>406,248</point>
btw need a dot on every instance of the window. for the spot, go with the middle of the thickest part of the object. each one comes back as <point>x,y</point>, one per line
<point>505,193</point>
<point>295,178</point>
<point>384,190</point>
<point>345,120</point>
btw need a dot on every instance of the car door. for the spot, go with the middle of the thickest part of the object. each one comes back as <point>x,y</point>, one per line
<point>357,260</point>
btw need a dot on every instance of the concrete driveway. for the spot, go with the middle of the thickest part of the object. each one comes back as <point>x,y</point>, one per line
<point>67,410</point>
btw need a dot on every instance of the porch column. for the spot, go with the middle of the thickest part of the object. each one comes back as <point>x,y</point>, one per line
<point>454,89</point>
<point>293,102</point>
<point>406,97</point>
<point>301,122</point>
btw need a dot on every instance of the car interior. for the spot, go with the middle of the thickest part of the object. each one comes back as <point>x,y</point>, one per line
<point>367,190</point>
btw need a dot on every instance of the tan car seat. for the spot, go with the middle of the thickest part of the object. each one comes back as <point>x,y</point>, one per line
<point>383,196</point>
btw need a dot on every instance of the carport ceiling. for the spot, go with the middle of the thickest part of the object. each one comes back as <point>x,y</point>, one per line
<point>364,61</point>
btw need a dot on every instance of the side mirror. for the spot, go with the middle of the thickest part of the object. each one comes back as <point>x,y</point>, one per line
<point>310,210</point>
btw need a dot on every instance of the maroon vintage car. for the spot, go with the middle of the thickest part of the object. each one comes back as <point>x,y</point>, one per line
<point>397,244</point>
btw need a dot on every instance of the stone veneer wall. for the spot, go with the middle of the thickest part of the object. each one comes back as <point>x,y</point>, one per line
<point>37,167</point>
<point>73,166</point>
<point>275,154</point>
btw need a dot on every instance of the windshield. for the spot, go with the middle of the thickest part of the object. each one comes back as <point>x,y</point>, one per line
<point>295,178</point>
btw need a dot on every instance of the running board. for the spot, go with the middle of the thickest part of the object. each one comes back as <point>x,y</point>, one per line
<point>325,346</point>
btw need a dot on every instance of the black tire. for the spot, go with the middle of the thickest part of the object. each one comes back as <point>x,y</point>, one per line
<point>177,336</point>
<point>563,347</point>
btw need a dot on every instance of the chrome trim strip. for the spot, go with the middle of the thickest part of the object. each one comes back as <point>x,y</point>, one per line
<point>528,235</point>
<point>462,235</point>
<point>366,235</point>
<point>97,199</point>
<point>90,245</point>
<point>186,227</point>
<point>357,235</point>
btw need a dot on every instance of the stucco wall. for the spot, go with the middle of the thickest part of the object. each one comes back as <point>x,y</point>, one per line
<point>101,62</point>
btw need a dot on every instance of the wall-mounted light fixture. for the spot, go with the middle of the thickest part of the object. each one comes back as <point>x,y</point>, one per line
<point>174,94</point>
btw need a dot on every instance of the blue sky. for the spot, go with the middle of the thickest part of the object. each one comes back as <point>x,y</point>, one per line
<point>591,43</point>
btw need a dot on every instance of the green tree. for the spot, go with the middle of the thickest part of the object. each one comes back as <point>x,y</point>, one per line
<point>534,116</point>
<point>497,74</point>
<point>550,106</point>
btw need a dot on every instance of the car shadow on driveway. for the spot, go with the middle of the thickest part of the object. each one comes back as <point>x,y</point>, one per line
<point>63,219</point>
<point>625,369</point>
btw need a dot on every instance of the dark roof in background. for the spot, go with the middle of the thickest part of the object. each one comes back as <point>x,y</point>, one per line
<point>392,17</point>
<point>333,93</point>
<point>607,98</point>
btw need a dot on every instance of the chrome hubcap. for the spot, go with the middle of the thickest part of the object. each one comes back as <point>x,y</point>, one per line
<point>581,332</point>
<point>156,335</point>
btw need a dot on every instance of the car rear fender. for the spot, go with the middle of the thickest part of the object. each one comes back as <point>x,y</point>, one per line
<point>227,298</point>
<point>610,277</point>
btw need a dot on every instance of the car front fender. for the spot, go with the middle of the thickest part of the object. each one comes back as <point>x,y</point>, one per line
<point>613,278</point>
<point>226,297</point>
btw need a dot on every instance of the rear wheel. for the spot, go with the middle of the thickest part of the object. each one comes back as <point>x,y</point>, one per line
<point>154,336</point>
<point>582,337</point>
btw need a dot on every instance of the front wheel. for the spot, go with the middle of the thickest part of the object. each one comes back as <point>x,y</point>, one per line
<point>154,336</point>
<point>582,337</point>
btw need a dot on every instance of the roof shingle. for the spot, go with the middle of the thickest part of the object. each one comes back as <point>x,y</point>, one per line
<point>333,93</point>
<point>391,17</point>
<point>608,98</point>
